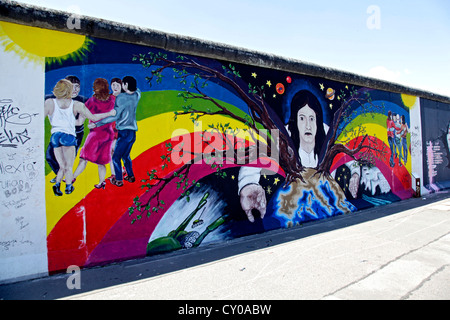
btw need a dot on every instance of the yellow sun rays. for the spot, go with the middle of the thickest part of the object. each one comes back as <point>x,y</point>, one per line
<point>33,44</point>
<point>408,100</point>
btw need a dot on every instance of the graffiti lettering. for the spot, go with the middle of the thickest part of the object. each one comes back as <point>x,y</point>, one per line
<point>6,245</point>
<point>7,111</point>
<point>11,156</point>
<point>12,116</point>
<point>16,204</point>
<point>12,187</point>
<point>416,142</point>
<point>20,221</point>
<point>13,138</point>
<point>17,168</point>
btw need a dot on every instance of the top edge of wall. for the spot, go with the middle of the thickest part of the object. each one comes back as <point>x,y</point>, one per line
<point>12,11</point>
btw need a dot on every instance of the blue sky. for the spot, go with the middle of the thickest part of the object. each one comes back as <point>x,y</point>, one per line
<point>406,42</point>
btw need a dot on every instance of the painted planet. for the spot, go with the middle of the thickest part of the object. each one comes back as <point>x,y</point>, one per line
<point>330,94</point>
<point>280,88</point>
<point>288,79</point>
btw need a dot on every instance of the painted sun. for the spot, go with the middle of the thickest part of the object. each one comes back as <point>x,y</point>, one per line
<point>33,44</point>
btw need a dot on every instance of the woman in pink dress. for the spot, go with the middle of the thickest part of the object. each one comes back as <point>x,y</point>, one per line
<point>97,147</point>
<point>116,87</point>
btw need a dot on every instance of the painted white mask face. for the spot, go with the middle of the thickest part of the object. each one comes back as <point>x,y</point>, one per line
<point>367,173</point>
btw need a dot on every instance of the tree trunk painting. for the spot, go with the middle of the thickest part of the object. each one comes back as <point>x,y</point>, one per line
<point>223,150</point>
<point>195,77</point>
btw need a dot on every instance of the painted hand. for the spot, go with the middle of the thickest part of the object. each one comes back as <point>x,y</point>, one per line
<point>91,125</point>
<point>253,197</point>
<point>113,112</point>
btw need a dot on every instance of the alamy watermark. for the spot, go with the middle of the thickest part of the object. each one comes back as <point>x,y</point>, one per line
<point>373,22</point>
<point>74,20</point>
<point>74,280</point>
<point>227,147</point>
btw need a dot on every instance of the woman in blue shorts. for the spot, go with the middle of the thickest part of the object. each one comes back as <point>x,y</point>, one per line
<point>61,112</point>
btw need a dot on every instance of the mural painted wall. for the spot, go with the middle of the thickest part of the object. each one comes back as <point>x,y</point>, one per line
<point>146,151</point>
<point>436,141</point>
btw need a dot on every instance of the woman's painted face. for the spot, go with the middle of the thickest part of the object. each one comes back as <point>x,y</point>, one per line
<point>307,125</point>
<point>116,87</point>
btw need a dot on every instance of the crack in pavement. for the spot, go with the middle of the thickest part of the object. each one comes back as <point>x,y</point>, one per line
<point>330,295</point>
<point>421,284</point>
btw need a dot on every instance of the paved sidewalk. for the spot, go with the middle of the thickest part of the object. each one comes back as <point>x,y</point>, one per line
<point>399,251</point>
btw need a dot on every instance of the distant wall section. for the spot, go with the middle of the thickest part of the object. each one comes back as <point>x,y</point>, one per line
<point>436,145</point>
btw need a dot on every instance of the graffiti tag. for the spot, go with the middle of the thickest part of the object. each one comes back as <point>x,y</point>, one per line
<point>416,142</point>
<point>13,124</point>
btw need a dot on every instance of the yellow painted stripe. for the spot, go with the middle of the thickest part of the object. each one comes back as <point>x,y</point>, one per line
<point>378,131</point>
<point>151,132</point>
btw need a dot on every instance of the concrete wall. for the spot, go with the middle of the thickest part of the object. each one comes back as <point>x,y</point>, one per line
<point>216,138</point>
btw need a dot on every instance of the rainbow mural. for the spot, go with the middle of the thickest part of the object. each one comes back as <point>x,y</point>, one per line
<point>329,148</point>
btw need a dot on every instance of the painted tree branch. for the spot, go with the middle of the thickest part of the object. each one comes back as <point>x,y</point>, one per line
<point>257,107</point>
<point>344,116</point>
<point>198,75</point>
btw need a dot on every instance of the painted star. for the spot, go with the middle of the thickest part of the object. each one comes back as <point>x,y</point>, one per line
<point>268,83</point>
<point>254,75</point>
<point>269,190</point>
<point>321,86</point>
<point>331,106</point>
<point>233,177</point>
<point>275,181</point>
